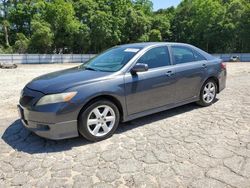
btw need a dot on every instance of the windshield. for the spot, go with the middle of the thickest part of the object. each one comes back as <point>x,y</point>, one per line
<point>111,60</point>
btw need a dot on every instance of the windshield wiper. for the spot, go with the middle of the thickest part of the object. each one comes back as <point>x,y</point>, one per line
<point>89,68</point>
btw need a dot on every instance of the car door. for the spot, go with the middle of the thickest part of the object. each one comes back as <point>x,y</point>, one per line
<point>153,88</point>
<point>190,71</point>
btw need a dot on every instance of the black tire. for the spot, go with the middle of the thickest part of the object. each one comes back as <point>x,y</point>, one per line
<point>202,101</point>
<point>83,118</point>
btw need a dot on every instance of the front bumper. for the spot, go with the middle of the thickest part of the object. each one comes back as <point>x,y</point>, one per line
<point>47,128</point>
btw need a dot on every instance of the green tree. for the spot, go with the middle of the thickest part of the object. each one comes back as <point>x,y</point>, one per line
<point>60,15</point>
<point>5,27</point>
<point>231,25</point>
<point>84,10</point>
<point>244,28</point>
<point>81,40</point>
<point>101,30</point>
<point>161,22</point>
<point>155,36</point>
<point>84,26</point>
<point>20,15</point>
<point>137,24</point>
<point>42,38</point>
<point>21,44</point>
<point>144,5</point>
<point>200,23</point>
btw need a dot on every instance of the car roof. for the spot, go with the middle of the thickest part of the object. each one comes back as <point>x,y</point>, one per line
<point>148,44</point>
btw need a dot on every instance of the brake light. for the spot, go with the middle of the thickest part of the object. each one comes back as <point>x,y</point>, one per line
<point>223,65</point>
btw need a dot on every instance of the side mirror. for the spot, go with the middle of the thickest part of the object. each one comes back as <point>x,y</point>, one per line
<point>139,67</point>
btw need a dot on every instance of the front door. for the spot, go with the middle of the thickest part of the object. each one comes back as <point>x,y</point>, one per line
<point>153,88</point>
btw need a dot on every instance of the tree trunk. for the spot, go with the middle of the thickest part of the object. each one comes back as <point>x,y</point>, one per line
<point>6,35</point>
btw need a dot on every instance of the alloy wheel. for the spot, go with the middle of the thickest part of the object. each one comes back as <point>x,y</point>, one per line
<point>209,92</point>
<point>101,120</point>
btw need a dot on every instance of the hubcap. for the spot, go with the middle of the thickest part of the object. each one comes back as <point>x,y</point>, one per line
<point>209,92</point>
<point>101,120</point>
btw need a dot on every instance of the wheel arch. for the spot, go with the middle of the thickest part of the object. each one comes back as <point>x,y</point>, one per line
<point>215,79</point>
<point>101,97</point>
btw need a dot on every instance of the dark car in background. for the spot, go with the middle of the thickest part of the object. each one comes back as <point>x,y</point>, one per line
<point>121,84</point>
<point>234,58</point>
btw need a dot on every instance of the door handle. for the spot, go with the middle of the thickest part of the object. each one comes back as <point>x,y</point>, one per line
<point>204,66</point>
<point>169,73</point>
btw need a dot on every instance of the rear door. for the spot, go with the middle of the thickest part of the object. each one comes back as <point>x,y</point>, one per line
<point>153,88</point>
<point>190,70</point>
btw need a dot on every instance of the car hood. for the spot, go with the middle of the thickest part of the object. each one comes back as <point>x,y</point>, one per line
<point>59,81</point>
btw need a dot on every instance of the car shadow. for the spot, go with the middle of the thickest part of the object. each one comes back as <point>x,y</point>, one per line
<point>156,117</point>
<point>21,139</point>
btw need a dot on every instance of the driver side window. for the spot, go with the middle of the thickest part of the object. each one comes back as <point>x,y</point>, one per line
<point>156,57</point>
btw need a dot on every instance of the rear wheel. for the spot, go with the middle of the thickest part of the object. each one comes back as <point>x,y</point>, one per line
<point>208,93</point>
<point>99,120</point>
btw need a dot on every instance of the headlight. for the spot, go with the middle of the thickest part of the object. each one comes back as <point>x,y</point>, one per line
<point>56,98</point>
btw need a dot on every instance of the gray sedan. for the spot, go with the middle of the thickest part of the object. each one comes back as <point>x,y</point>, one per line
<point>121,84</point>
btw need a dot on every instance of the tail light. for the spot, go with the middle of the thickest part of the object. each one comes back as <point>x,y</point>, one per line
<point>223,65</point>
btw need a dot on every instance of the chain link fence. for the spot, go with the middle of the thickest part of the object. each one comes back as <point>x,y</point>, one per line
<point>44,58</point>
<point>243,57</point>
<point>81,58</point>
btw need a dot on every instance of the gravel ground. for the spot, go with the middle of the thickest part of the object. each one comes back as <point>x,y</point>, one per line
<point>187,146</point>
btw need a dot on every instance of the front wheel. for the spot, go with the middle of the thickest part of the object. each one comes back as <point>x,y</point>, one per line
<point>208,93</point>
<point>99,120</point>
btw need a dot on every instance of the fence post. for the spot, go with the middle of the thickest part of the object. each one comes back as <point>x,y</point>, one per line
<point>26,57</point>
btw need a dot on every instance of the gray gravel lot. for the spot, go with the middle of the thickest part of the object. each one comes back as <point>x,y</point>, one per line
<point>187,146</point>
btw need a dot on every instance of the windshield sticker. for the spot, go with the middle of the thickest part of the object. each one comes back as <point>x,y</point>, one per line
<point>131,50</point>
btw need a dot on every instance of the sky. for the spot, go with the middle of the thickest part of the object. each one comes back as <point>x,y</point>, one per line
<point>158,4</point>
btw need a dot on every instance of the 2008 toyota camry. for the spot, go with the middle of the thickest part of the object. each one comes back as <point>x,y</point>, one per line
<point>121,84</point>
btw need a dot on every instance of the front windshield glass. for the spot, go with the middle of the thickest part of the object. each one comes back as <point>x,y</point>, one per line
<point>111,60</point>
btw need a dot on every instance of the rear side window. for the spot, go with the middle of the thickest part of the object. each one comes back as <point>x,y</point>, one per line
<point>198,56</point>
<point>185,55</point>
<point>156,57</point>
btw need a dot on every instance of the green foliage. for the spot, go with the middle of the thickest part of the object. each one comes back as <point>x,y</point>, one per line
<point>137,24</point>
<point>101,30</point>
<point>21,44</point>
<point>144,5</point>
<point>42,38</point>
<point>161,22</point>
<point>90,26</point>
<point>60,15</point>
<point>155,36</point>
<point>6,50</point>
<point>245,29</point>
<point>213,25</point>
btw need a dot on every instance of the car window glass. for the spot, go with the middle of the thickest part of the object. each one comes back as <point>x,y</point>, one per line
<point>198,57</point>
<point>182,54</point>
<point>112,60</point>
<point>156,57</point>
